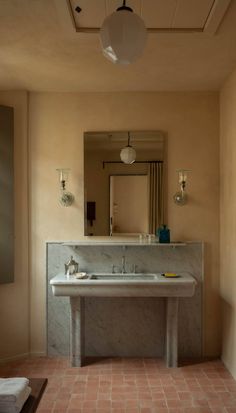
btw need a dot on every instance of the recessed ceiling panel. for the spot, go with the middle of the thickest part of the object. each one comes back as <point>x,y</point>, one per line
<point>92,13</point>
<point>192,13</point>
<point>158,15</point>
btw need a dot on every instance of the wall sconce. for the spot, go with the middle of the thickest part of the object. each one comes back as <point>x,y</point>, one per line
<point>66,198</point>
<point>181,196</point>
<point>128,153</point>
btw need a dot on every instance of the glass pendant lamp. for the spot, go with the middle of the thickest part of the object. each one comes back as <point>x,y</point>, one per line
<point>123,36</point>
<point>128,153</point>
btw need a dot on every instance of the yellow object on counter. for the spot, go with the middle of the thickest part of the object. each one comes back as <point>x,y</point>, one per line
<point>170,275</point>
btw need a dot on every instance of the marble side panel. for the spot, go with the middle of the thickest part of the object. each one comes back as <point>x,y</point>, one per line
<point>126,326</point>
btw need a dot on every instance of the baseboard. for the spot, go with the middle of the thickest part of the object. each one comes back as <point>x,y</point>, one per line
<point>22,356</point>
<point>14,358</point>
<point>37,354</point>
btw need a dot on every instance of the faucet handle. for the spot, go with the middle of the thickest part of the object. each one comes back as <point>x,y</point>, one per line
<point>114,268</point>
<point>135,267</point>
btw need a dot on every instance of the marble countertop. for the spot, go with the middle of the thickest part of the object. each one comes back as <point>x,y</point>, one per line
<point>62,279</point>
<point>134,243</point>
<point>184,286</point>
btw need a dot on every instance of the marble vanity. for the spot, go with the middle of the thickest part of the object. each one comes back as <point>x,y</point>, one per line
<point>146,317</point>
<point>123,285</point>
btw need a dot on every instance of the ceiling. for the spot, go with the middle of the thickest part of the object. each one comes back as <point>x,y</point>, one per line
<point>192,47</point>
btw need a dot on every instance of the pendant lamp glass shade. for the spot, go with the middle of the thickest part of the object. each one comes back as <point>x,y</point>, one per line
<point>123,36</point>
<point>128,153</point>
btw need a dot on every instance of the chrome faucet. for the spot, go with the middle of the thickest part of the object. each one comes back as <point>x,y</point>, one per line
<point>123,270</point>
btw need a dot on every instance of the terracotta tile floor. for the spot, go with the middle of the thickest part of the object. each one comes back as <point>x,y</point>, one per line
<point>117,385</point>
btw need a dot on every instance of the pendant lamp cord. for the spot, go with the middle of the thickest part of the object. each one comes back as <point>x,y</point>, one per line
<point>128,132</point>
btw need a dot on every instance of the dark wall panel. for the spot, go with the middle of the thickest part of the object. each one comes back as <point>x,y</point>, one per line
<point>6,195</point>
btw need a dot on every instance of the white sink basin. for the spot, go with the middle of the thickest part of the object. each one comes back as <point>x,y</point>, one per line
<point>126,276</point>
<point>124,285</point>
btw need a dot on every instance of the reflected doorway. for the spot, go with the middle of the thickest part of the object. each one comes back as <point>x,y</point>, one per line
<point>128,204</point>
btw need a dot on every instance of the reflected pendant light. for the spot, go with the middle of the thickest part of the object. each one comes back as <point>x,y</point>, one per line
<point>128,153</point>
<point>123,36</point>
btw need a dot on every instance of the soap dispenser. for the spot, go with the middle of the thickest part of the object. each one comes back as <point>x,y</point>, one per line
<point>71,267</point>
<point>163,233</point>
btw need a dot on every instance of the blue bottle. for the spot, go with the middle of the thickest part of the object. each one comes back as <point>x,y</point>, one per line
<point>163,233</point>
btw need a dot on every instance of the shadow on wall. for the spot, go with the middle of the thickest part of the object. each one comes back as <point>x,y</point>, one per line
<point>228,335</point>
<point>212,301</point>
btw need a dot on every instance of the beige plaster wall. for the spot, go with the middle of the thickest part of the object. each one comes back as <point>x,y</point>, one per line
<point>228,220</point>
<point>56,126</point>
<point>14,298</point>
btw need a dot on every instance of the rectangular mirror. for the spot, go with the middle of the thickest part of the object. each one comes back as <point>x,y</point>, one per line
<point>120,198</point>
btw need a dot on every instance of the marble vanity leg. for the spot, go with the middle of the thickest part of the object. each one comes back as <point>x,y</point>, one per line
<point>77,331</point>
<point>172,331</point>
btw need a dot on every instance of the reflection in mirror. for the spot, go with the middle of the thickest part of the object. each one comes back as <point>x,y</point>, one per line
<point>128,204</point>
<point>123,199</point>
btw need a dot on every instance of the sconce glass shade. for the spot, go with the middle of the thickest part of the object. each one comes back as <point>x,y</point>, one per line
<point>182,175</point>
<point>66,199</point>
<point>128,155</point>
<point>123,36</point>
<point>181,198</point>
<point>63,175</point>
